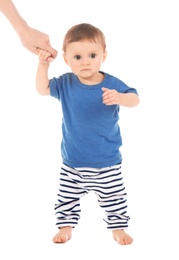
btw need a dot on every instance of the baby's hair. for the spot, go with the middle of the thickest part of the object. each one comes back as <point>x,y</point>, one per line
<point>84,31</point>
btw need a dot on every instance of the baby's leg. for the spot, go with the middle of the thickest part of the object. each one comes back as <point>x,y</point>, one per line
<point>122,237</point>
<point>67,208</point>
<point>64,234</point>
<point>112,197</point>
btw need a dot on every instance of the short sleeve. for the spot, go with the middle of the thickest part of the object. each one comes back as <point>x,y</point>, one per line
<point>55,88</point>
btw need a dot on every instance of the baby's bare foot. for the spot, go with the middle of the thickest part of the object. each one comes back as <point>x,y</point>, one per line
<point>121,237</point>
<point>64,234</point>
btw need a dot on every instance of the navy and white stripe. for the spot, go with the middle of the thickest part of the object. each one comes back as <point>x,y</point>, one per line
<point>107,183</point>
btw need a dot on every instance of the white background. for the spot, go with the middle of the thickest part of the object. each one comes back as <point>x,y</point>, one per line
<point>142,44</point>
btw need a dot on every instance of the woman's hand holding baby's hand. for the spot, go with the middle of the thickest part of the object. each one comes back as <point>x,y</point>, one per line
<point>44,56</point>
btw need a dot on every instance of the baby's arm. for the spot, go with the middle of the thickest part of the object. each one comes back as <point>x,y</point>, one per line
<point>112,97</point>
<point>42,80</point>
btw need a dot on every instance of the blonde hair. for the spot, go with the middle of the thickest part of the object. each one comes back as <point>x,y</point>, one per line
<point>84,31</point>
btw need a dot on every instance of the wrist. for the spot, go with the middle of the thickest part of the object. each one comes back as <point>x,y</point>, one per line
<point>21,27</point>
<point>119,98</point>
<point>44,64</point>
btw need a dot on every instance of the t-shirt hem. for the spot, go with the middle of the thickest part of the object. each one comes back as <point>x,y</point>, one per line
<point>92,165</point>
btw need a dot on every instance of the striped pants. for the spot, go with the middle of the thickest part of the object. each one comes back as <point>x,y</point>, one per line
<point>107,183</point>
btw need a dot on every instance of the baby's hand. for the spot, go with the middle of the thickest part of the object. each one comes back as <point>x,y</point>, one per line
<point>110,97</point>
<point>44,56</point>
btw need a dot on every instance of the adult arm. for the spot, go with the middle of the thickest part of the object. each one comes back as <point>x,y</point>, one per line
<point>30,38</point>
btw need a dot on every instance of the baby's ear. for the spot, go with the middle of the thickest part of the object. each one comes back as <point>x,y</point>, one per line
<point>104,56</point>
<point>65,58</point>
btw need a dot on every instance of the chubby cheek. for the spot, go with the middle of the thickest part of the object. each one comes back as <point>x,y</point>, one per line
<point>97,65</point>
<point>74,65</point>
<point>70,63</point>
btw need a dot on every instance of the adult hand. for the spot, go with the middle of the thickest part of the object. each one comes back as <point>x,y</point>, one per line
<point>30,38</point>
<point>33,40</point>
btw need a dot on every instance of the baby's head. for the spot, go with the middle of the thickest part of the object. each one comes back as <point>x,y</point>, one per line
<point>84,31</point>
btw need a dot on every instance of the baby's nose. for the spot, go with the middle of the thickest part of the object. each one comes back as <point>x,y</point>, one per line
<point>85,61</point>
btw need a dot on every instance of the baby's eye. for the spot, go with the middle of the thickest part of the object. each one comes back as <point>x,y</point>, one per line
<point>77,57</point>
<point>93,55</point>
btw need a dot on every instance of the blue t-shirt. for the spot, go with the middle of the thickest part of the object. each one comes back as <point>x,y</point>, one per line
<point>90,131</point>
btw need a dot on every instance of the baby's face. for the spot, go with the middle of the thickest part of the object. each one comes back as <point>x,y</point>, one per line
<point>85,58</point>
